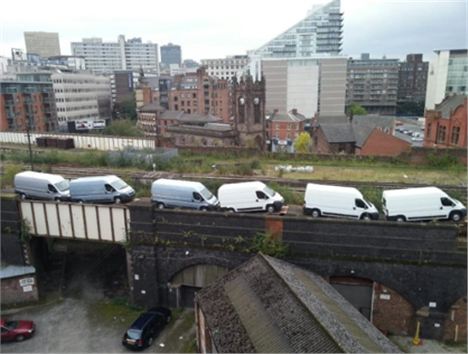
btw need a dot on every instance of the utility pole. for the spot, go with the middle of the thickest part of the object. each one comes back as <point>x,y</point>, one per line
<point>29,145</point>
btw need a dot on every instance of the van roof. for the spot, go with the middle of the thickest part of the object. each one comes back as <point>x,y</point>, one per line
<point>329,188</point>
<point>31,174</point>
<point>412,191</point>
<point>109,178</point>
<point>178,183</point>
<point>246,185</point>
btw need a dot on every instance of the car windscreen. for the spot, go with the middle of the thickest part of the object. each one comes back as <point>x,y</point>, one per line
<point>119,184</point>
<point>63,185</point>
<point>269,191</point>
<point>134,333</point>
<point>206,194</point>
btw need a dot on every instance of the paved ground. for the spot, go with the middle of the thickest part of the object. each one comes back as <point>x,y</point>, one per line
<point>427,346</point>
<point>89,319</point>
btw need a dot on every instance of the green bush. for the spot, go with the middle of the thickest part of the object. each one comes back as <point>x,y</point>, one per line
<point>373,195</point>
<point>267,244</point>
<point>9,173</point>
<point>442,161</point>
<point>290,196</point>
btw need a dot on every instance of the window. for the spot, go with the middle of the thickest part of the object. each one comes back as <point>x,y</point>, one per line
<point>197,197</point>
<point>261,195</point>
<point>109,188</point>
<point>51,188</point>
<point>441,132</point>
<point>447,202</point>
<point>455,135</point>
<point>360,204</point>
<point>429,129</point>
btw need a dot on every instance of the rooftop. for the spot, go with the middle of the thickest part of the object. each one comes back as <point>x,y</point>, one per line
<point>268,305</point>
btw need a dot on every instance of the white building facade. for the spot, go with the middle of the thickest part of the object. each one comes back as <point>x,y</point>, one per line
<point>225,68</point>
<point>106,57</point>
<point>81,96</point>
<point>447,75</point>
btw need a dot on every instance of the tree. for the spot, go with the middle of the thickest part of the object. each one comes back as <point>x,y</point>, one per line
<point>356,110</point>
<point>126,109</point>
<point>302,143</point>
<point>122,127</point>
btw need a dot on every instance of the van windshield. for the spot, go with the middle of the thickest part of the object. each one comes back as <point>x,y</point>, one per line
<point>63,186</point>
<point>119,184</point>
<point>269,191</point>
<point>369,204</point>
<point>206,194</point>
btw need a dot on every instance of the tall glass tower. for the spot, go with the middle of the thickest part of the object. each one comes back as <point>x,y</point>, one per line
<point>317,34</point>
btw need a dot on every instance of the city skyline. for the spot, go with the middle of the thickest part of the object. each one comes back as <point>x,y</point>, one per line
<point>380,27</point>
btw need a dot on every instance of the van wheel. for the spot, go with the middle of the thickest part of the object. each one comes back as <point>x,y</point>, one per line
<point>160,206</point>
<point>400,218</point>
<point>315,213</point>
<point>203,209</point>
<point>80,201</point>
<point>230,210</point>
<point>366,217</point>
<point>455,216</point>
<point>22,196</point>
<point>117,200</point>
<point>150,341</point>
<point>271,208</point>
<point>57,199</point>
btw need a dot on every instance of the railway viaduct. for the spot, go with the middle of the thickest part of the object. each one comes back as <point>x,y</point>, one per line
<point>395,274</point>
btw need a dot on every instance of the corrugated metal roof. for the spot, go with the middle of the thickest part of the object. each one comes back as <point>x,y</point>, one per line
<point>11,271</point>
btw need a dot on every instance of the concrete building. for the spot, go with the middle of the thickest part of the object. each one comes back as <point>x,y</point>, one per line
<point>318,33</point>
<point>27,104</point>
<point>373,84</point>
<point>312,86</point>
<point>171,54</point>
<point>446,124</point>
<point>44,44</point>
<point>3,65</point>
<point>71,62</point>
<point>106,57</point>
<point>123,84</point>
<point>412,79</point>
<point>448,75</point>
<point>225,68</point>
<point>270,306</point>
<point>190,64</point>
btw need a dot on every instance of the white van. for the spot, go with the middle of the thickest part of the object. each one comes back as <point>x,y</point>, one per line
<point>100,189</point>
<point>425,203</point>
<point>249,196</point>
<point>171,193</point>
<point>337,201</point>
<point>37,185</point>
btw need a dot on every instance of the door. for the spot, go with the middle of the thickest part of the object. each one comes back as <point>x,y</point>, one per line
<point>197,201</point>
<point>445,208</point>
<point>7,335</point>
<point>359,294</point>
<point>51,192</point>
<point>109,193</point>
<point>261,200</point>
<point>359,208</point>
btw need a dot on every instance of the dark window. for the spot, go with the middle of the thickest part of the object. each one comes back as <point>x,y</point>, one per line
<point>109,188</point>
<point>360,204</point>
<point>261,195</point>
<point>455,135</point>
<point>197,196</point>
<point>175,99</point>
<point>429,129</point>
<point>441,132</point>
<point>52,188</point>
<point>257,116</point>
<point>194,95</point>
<point>446,202</point>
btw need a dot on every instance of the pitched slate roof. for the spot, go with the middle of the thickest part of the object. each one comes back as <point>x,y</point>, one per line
<point>338,133</point>
<point>152,107</point>
<point>286,117</point>
<point>268,305</point>
<point>450,104</point>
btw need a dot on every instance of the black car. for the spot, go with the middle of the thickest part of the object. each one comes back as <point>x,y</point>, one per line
<point>146,327</point>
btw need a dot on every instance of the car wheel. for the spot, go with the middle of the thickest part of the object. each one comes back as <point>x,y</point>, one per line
<point>19,338</point>
<point>315,213</point>
<point>456,216</point>
<point>117,200</point>
<point>366,217</point>
<point>271,208</point>
<point>160,206</point>
<point>400,218</point>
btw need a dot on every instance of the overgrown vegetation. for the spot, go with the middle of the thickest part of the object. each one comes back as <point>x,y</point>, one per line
<point>269,245</point>
<point>123,127</point>
<point>116,309</point>
<point>9,172</point>
<point>290,196</point>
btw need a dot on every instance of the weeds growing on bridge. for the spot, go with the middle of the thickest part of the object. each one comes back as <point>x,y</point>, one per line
<point>269,245</point>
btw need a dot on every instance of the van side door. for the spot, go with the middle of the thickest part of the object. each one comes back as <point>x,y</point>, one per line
<point>445,208</point>
<point>197,201</point>
<point>261,200</point>
<point>359,207</point>
<point>109,193</point>
<point>51,192</point>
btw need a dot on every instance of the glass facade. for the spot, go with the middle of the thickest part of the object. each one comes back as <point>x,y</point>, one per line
<point>457,75</point>
<point>319,33</point>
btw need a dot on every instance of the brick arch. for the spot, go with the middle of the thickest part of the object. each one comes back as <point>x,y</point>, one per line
<point>391,312</point>
<point>198,275</point>
<point>455,326</point>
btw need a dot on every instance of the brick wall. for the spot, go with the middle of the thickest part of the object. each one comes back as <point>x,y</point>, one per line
<point>392,314</point>
<point>381,144</point>
<point>455,325</point>
<point>14,293</point>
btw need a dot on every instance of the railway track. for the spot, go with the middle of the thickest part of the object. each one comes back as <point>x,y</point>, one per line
<point>297,184</point>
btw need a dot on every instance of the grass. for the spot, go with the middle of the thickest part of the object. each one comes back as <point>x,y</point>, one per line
<point>112,310</point>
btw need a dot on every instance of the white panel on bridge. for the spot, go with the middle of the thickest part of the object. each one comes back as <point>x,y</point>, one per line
<point>77,221</point>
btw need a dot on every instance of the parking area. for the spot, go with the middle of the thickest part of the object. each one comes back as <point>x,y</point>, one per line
<point>90,313</point>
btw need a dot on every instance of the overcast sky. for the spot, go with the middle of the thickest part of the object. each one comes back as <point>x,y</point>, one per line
<point>215,28</point>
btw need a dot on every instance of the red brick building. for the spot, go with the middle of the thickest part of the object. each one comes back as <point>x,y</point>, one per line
<point>200,93</point>
<point>285,126</point>
<point>446,125</point>
<point>379,143</point>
